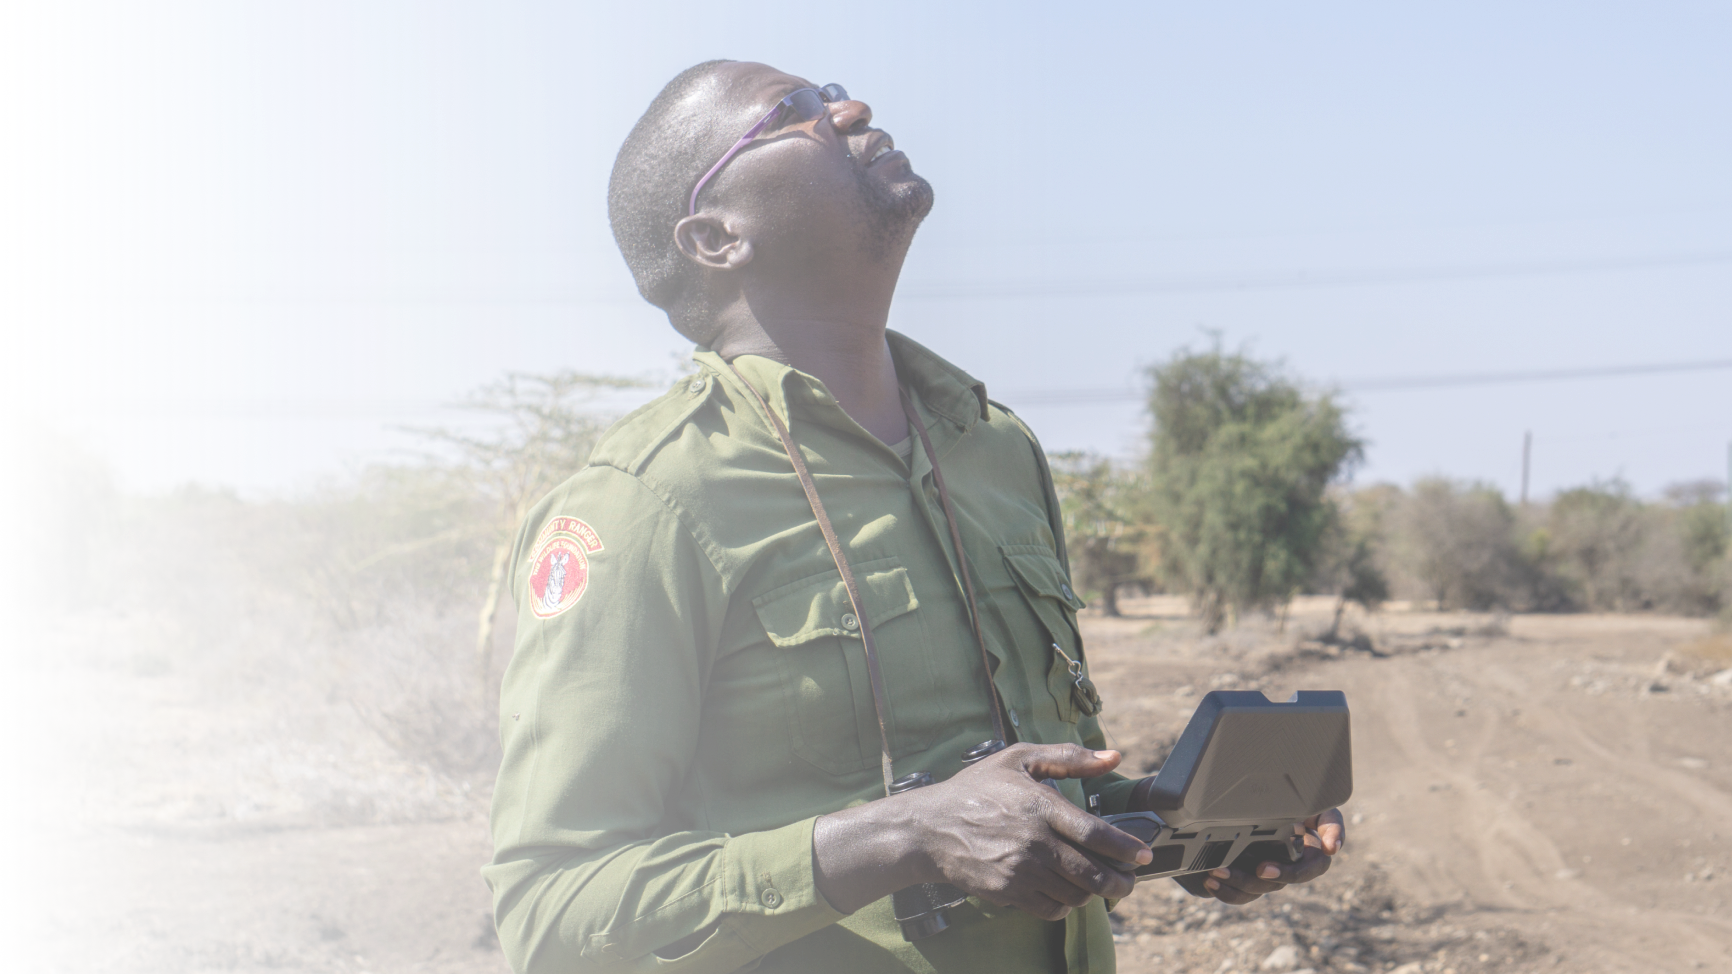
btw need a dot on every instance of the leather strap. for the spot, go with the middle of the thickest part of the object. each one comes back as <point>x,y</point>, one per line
<point>873,673</point>
<point>961,563</point>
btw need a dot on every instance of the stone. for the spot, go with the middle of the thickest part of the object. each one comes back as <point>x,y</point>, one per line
<point>1284,959</point>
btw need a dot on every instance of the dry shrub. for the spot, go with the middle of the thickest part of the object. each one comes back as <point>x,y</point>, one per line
<point>349,609</point>
<point>1454,543</point>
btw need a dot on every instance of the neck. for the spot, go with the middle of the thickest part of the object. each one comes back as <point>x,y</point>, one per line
<point>837,338</point>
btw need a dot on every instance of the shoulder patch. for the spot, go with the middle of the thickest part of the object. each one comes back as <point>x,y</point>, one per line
<point>559,569</point>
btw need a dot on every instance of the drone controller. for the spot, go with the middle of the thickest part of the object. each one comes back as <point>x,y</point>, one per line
<point>1240,783</point>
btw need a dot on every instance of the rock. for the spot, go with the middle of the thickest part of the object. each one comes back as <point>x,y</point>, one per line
<point>1284,959</point>
<point>1408,967</point>
<point>1722,678</point>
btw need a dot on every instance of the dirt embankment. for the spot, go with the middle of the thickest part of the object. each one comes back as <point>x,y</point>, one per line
<point>1532,794</point>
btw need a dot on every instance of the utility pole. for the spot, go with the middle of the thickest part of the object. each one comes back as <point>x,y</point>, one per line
<point>1527,456</point>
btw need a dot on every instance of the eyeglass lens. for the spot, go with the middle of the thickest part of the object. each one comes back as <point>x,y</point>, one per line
<point>807,104</point>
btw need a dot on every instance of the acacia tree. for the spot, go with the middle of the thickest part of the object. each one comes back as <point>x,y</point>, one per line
<point>1239,460</point>
<point>538,431</point>
<point>1098,503</point>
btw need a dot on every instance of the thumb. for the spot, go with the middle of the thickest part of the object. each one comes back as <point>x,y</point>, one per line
<point>1068,761</point>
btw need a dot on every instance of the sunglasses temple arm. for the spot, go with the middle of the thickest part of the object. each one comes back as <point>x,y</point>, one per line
<point>751,134</point>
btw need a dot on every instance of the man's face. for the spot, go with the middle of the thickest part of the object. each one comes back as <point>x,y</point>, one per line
<point>814,182</point>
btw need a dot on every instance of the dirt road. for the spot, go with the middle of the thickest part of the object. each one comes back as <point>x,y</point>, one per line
<point>1554,797</point>
<point>1541,794</point>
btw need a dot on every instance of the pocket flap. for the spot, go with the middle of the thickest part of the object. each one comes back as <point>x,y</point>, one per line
<point>1038,571</point>
<point>815,606</point>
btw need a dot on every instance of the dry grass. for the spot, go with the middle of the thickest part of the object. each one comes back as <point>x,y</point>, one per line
<point>1714,650</point>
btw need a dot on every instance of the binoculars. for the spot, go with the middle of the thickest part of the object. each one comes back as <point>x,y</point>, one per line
<point>922,910</point>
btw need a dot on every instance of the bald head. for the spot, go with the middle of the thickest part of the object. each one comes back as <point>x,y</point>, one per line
<point>663,157</point>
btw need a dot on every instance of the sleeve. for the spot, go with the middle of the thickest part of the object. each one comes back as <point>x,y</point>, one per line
<point>618,611</point>
<point>1114,788</point>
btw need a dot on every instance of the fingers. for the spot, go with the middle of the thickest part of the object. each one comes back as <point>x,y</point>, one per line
<point>1090,875</point>
<point>1331,831</point>
<point>1236,887</point>
<point>1091,833</point>
<point>1041,905</point>
<point>1068,761</point>
<point>1310,866</point>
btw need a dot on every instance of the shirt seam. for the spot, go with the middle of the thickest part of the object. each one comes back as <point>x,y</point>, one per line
<point>658,491</point>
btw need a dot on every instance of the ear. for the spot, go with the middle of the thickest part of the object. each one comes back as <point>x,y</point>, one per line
<point>706,239</point>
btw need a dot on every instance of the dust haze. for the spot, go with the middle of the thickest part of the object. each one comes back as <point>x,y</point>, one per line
<point>259,734</point>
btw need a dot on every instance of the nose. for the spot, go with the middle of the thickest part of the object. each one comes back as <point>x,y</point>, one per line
<point>850,114</point>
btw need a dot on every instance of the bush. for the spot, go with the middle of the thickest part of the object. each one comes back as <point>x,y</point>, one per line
<point>1239,461</point>
<point>1599,536</point>
<point>1352,566</point>
<point>1454,543</point>
<point>1099,504</point>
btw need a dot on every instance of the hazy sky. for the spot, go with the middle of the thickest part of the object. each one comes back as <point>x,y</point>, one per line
<point>242,243</point>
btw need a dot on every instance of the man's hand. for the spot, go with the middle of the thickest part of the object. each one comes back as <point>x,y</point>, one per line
<point>1324,835</point>
<point>993,830</point>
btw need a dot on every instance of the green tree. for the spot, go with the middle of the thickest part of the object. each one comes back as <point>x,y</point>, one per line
<point>1240,457</point>
<point>1099,503</point>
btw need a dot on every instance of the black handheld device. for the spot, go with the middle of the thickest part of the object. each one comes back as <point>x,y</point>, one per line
<point>1240,782</point>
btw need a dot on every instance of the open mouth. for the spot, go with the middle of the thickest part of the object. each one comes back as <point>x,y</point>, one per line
<point>883,149</point>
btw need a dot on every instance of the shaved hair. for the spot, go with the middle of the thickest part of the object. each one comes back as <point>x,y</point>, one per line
<point>648,193</point>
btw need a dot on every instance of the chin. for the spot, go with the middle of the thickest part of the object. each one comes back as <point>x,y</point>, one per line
<point>892,211</point>
<point>917,196</point>
<point>908,200</point>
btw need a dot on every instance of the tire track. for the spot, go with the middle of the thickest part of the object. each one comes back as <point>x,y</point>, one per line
<point>1505,837</point>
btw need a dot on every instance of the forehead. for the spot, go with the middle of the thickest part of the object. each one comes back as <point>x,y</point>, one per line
<point>747,87</point>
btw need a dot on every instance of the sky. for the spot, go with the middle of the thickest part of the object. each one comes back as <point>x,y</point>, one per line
<point>248,245</point>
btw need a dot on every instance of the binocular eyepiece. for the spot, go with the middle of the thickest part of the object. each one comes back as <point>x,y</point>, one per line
<point>922,910</point>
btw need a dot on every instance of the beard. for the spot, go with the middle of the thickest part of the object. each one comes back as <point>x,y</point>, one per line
<point>892,212</point>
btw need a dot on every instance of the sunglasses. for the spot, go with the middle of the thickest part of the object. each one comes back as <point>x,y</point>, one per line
<point>804,105</point>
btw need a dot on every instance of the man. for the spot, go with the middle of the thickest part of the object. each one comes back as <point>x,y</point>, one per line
<point>697,743</point>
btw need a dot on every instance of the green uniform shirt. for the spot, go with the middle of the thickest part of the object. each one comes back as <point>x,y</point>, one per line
<point>689,692</point>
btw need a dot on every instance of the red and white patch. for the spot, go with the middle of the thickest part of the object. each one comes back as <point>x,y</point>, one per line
<point>559,570</point>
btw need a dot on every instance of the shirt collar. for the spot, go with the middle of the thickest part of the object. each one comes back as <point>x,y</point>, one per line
<point>936,384</point>
<point>944,388</point>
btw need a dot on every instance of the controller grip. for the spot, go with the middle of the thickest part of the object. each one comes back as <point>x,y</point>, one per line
<point>1255,853</point>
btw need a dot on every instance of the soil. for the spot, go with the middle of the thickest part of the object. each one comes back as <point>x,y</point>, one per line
<point>1533,794</point>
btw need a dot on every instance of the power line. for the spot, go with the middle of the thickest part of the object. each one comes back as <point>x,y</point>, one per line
<point>1294,279</point>
<point>1391,383</point>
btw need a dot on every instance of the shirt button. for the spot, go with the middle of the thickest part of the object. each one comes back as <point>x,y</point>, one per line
<point>850,622</point>
<point>772,898</point>
<point>1014,720</point>
<point>696,385</point>
<point>1065,588</point>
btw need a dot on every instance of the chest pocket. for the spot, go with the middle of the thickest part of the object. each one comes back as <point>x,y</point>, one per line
<point>1042,583</point>
<point>811,623</point>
